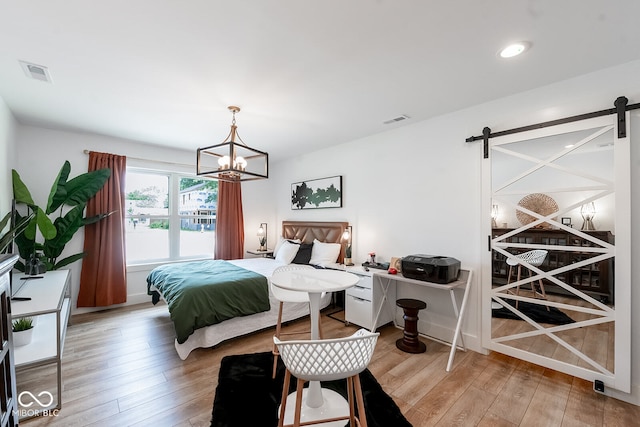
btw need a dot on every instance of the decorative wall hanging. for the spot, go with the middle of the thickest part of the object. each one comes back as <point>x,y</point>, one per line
<point>317,193</point>
<point>538,203</point>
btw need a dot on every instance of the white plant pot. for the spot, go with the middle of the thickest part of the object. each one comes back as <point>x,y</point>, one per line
<point>21,338</point>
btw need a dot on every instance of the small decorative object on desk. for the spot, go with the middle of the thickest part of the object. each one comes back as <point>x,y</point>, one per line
<point>347,256</point>
<point>34,265</point>
<point>396,262</point>
<point>372,257</point>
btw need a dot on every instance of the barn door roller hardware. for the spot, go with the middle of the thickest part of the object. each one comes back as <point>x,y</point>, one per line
<point>621,107</point>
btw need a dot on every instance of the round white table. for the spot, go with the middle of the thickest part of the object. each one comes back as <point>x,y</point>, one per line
<point>318,403</point>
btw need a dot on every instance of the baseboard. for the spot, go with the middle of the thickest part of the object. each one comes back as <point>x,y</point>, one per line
<point>444,333</point>
<point>632,398</point>
<point>133,299</point>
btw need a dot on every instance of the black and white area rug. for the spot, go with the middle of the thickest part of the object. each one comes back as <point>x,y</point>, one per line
<point>535,312</point>
<point>246,395</point>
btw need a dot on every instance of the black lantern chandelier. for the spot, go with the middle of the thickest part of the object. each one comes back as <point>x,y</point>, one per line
<point>232,160</point>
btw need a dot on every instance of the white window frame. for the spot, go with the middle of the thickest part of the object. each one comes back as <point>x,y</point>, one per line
<point>173,217</point>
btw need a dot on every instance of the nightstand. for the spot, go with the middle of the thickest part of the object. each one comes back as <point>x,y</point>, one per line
<point>265,254</point>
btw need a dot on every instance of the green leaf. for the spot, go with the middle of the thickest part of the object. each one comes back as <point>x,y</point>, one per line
<point>19,265</point>
<point>58,193</point>
<point>30,232</point>
<point>24,243</point>
<point>18,228</point>
<point>69,260</point>
<point>83,187</point>
<point>93,219</point>
<point>45,225</point>
<point>67,227</point>
<point>20,191</point>
<point>5,221</point>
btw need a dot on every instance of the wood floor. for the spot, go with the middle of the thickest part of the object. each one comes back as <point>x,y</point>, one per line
<point>120,368</point>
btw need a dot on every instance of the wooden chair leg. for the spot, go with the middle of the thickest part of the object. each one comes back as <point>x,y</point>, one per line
<point>275,347</point>
<point>350,399</point>
<point>283,400</point>
<point>362,415</point>
<point>299,388</point>
<point>542,292</point>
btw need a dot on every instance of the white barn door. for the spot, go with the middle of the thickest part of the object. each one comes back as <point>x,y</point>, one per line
<point>564,190</point>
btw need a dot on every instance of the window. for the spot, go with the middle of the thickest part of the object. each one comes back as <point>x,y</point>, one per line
<point>169,216</point>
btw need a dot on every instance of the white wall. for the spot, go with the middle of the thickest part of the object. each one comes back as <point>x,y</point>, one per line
<point>7,156</point>
<point>416,189</point>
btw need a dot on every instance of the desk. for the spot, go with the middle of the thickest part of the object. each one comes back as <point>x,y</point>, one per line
<point>385,280</point>
<point>50,305</point>
<point>318,403</point>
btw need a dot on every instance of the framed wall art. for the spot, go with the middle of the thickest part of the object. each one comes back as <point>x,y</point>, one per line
<point>317,193</point>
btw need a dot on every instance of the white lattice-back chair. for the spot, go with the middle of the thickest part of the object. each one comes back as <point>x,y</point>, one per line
<point>535,258</point>
<point>327,360</point>
<point>285,295</point>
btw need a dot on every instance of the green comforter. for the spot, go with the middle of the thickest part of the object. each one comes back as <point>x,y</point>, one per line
<point>203,293</point>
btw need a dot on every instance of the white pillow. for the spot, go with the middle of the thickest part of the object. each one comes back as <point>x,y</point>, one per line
<point>287,252</point>
<point>281,240</point>
<point>323,254</point>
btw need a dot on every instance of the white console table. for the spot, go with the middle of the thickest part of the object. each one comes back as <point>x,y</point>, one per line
<point>372,303</point>
<point>50,307</point>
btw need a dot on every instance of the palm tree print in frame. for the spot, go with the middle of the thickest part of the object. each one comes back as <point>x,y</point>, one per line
<point>317,193</point>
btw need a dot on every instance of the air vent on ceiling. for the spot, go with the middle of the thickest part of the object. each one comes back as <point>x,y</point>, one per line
<point>37,72</point>
<point>396,119</point>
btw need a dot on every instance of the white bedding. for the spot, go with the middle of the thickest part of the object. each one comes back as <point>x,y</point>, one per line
<point>215,334</point>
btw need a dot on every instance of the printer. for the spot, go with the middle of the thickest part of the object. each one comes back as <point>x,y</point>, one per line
<point>430,268</point>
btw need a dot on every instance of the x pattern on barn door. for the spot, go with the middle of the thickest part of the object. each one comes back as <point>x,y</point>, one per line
<point>576,163</point>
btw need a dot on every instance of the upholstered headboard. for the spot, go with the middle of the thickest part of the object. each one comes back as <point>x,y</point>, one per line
<point>306,231</point>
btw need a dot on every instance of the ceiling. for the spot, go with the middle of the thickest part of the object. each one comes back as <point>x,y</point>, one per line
<point>306,74</point>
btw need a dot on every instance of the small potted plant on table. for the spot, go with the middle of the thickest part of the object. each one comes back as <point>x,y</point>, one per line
<point>22,331</point>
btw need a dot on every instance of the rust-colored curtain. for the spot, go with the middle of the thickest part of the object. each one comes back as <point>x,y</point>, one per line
<point>229,221</point>
<point>103,280</point>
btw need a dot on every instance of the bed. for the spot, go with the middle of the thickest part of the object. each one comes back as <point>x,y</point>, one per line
<point>264,306</point>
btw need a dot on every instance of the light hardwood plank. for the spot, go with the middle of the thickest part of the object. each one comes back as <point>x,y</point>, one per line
<point>120,368</point>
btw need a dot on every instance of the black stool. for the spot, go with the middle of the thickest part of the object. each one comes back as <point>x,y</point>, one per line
<point>410,342</point>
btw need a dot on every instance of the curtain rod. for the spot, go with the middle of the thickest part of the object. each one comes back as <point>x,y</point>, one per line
<point>149,160</point>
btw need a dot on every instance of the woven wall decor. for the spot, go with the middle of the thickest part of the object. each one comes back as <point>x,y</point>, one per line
<point>538,203</point>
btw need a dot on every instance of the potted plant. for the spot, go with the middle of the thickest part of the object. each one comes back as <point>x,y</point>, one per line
<point>22,331</point>
<point>67,200</point>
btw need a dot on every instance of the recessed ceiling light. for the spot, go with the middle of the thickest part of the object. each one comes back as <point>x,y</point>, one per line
<point>514,49</point>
